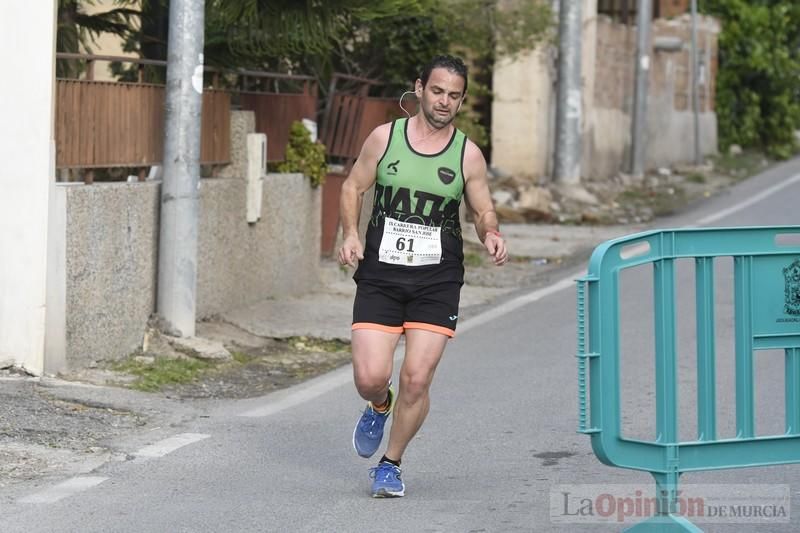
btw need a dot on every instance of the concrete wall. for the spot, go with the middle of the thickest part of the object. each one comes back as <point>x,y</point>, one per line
<point>673,8</point>
<point>241,263</point>
<point>523,113</point>
<point>670,121</point>
<point>243,123</point>
<point>670,135</point>
<point>109,260</point>
<point>111,269</point>
<point>590,71</point>
<point>27,41</point>
<point>524,105</point>
<point>607,143</point>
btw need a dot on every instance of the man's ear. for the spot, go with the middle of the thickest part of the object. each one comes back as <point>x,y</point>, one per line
<point>418,88</point>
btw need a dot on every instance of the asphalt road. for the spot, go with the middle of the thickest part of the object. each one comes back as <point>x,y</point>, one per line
<point>500,441</point>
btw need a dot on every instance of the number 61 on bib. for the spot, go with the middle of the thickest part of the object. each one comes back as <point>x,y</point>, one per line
<point>405,243</point>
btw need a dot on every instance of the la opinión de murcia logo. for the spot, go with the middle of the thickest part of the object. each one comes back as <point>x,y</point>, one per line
<point>791,276</point>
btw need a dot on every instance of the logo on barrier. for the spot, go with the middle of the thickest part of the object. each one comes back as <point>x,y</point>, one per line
<point>791,275</point>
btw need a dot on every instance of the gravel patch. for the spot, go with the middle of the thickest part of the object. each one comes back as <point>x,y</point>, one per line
<point>42,435</point>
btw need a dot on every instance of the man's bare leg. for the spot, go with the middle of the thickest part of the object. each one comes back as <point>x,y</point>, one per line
<point>373,358</point>
<point>424,350</point>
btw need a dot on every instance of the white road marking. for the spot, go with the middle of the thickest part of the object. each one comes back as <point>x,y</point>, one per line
<point>303,393</point>
<point>163,447</point>
<point>319,386</point>
<point>516,303</point>
<point>64,489</point>
<point>747,203</point>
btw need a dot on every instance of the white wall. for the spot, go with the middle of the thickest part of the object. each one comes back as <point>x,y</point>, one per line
<point>523,107</point>
<point>522,113</point>
<point>27,44</point>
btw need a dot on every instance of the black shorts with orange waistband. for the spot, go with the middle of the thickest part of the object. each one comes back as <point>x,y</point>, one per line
<point>393,308</point>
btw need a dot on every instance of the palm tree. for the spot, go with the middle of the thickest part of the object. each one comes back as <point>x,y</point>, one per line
<point>78,30</point>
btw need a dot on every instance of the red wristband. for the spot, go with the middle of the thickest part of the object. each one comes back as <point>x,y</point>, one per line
<point>493,232</point>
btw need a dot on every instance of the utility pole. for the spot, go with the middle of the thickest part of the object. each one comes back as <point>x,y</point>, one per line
<point>644,19</point>
<point>180,200</point>
<point>698,155</point>
<point>567,167</point>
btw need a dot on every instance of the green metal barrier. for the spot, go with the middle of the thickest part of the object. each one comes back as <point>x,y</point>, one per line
<point>767,317</point>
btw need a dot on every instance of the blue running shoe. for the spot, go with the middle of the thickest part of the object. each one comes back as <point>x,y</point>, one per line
<point>386,481</point>
<point>368,432</point>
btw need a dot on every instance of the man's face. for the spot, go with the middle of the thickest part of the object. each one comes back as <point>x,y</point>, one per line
<point>441,97</point>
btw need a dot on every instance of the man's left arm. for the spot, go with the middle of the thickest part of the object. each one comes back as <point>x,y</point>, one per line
<point>479,200</point>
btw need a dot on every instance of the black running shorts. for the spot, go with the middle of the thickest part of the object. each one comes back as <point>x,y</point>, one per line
<point>393,308</point>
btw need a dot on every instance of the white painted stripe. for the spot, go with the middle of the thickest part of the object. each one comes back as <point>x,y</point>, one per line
<point>313,389</point>
<point>163,447</point>
<point>328,382</point>
<point>64,489</point>
<point>516,303</point>
<point>319,386</point>
<point>747,203</point>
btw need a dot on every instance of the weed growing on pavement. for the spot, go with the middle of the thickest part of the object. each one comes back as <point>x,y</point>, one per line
<point>669,201</point>
<point>474,254</point>
<point>242,358</point>
<point>472,259</point>
<point>251,371</point>
<point>161,372</point>
<point>661,200</point>
<point>740,166</point>
<point>307,344</point>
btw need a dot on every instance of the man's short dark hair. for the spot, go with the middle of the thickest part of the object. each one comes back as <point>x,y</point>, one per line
<point>452,63</point>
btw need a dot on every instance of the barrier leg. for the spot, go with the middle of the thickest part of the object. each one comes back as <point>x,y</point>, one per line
<point>666,519</point>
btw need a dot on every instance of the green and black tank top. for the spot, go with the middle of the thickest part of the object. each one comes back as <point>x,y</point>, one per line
<point>421,191</point>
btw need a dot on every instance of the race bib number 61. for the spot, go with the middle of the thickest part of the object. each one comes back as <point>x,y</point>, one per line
<point>405,243</point>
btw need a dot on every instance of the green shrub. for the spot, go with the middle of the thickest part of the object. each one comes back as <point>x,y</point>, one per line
<point>305,156</point>
<point>758,103</point>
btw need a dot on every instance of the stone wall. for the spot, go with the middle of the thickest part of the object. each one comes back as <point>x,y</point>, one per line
<point>670,71</point>
<point>523,114</point>
<point>108,263</point>
<point>523,109</point>
<point>672,8</point>
<point>240,263</point>
<point>111,269</point>
<point>670,126</point>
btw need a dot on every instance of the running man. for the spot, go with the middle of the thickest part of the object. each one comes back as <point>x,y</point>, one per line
<point>410,271</point>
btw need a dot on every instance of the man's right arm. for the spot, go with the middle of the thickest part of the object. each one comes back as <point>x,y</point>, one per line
<point>360,179</point>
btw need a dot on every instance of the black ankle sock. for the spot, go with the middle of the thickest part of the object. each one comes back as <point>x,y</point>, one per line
<point>385,459</point>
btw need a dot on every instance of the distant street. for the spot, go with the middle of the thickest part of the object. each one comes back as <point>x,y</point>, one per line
<point>501,434</point>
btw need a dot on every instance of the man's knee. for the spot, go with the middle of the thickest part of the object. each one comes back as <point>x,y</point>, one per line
<point>415,384</point>
<point>370,383</point>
